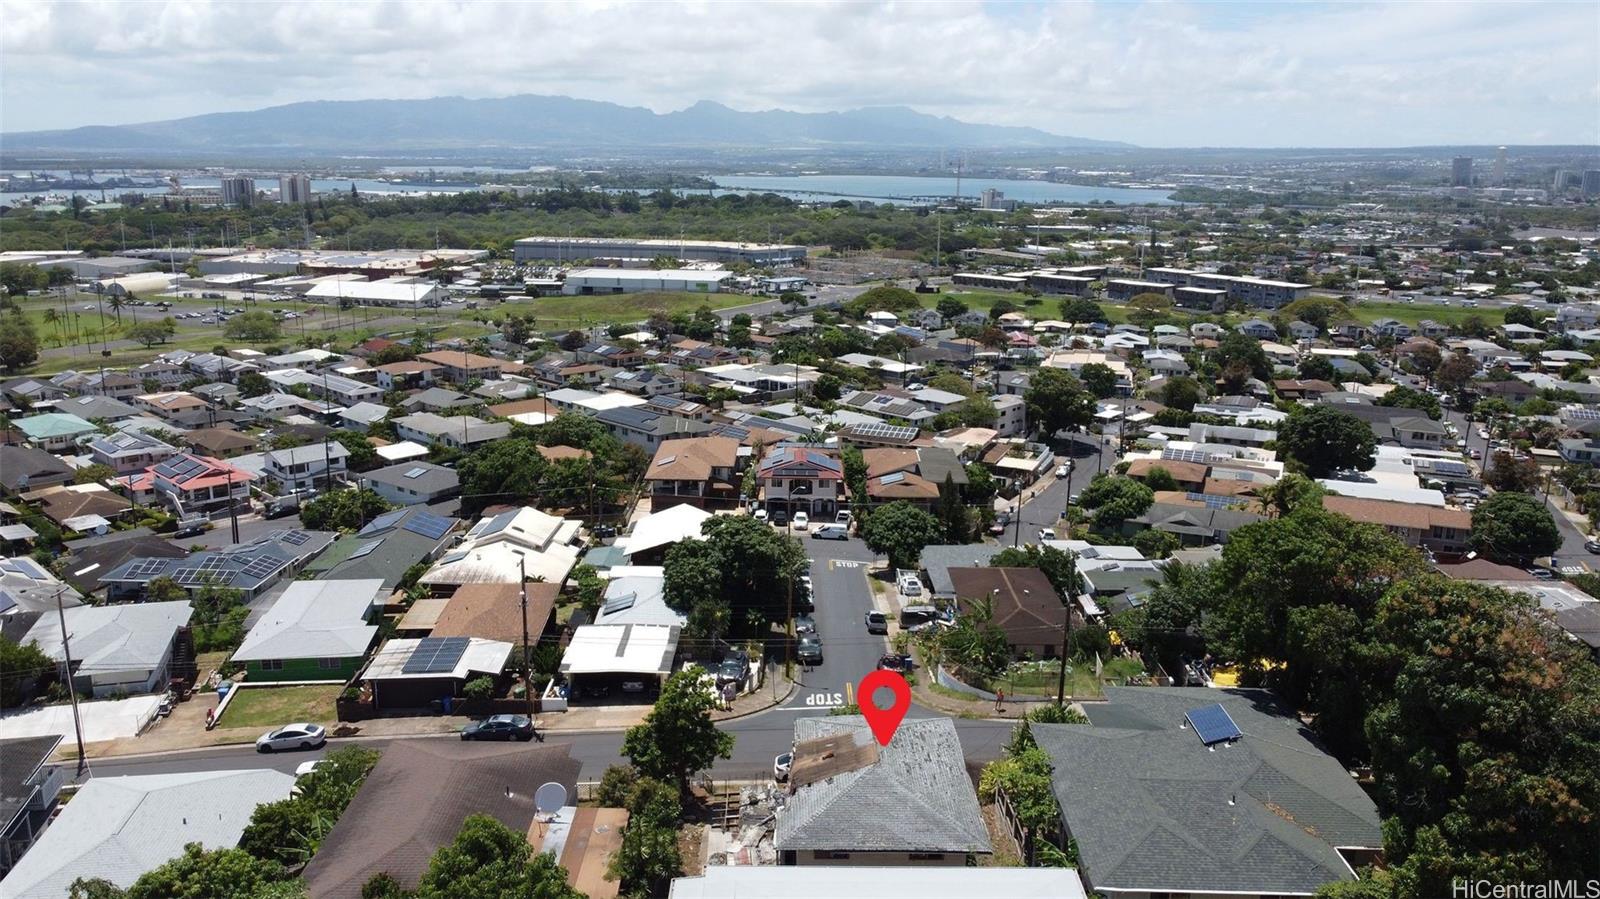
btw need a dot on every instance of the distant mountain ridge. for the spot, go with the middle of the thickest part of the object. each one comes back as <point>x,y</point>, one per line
<point>533,121</point>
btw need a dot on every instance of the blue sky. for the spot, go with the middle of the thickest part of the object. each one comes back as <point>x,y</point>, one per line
<point>1155,74</point>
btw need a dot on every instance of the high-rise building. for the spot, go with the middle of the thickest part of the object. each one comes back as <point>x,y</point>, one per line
<point>1461,171</point>
<point>1591,184</point>
<point>238,191</point>
<point>294,188</point>
<point>1500,167</point>
<point>1558,182</point>
<point>990,198</point>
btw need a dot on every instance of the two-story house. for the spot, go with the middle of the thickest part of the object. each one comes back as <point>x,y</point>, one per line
<point>1418,524</point>
<point>303,467</point>
<point>195,484</point>
<point>802,479</point>
<point>31,786</point>
<point>128,452</point>
<point>699,471</point>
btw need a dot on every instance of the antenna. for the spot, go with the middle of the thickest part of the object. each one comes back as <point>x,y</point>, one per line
<point>549,798</point>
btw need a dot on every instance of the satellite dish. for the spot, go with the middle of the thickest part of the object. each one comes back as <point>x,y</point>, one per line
<point>549,798</point>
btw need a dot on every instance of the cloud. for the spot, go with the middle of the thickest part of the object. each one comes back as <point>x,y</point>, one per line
<point>1171,74</point>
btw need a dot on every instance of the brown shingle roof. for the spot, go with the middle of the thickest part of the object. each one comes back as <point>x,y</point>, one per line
<point>555,453</point>
<point>416,799</point>
<point>218,441</point>
<point>494,612</point>
<point>1400,515</point>
<point>407,367</point>
<point>909,486</point>
<point>692,458</point>
<point>520,407</point>
<point>464,360</point>
<point>1026,605</point>
<point>881,461</point>
<point>1183,472</point>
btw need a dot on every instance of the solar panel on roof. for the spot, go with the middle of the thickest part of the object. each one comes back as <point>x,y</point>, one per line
<point>618,604</point>
<point>893,478</point>
<point>435,655</point>
<point>191,577</point>
<point>1212,724</point>
<point>295,537</point>
<point>415,472</point>
<point>382,522</point>
<point>146,568</point>
<point>27,567</point>
<point>261,568</point>
<point>428,525</point>
<point>364,549</point>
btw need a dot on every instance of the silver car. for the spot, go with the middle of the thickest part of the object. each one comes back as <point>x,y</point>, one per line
<point>292,736</point>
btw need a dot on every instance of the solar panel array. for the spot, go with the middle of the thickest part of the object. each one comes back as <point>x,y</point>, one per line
<point>893,478</point>
<point>1186,455</point>
<point>885,431</point>
<point>435,655</point>
<point>415,472</point>
<point>27,567</point>
<point>383,522</point>
<point>146,568</point>
<point>1212,724</point>
<point>262,567</point>
<point>428,525</point>
<point>1214,502</point>
<point>295,537</point>
<point>618,604</point>
<point>180,467</point>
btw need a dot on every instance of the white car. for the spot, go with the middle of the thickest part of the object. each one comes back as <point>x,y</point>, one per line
<point>781,766</point>
<point>292,736</point>
<point>760,515</point>
<point>801,521</point>
<point>1064,470</point>
<point>305,768</point>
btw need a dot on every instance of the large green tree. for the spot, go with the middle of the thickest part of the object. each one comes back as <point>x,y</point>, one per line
<point>738,577</point>
<point>503,471</point>
<point>488,858</point>
<point>1056,401</point>
<point>343,510</point>
<point>1514,527</point>
<point>678,739</point>
<point>900,531</point>
<point>1235,348</point>
<point>1115,500</point>
<point>256,327</point>
<point>19,343</point>
<point>1099,379</point>
<point>22,666</point>
<point>1323,440</point>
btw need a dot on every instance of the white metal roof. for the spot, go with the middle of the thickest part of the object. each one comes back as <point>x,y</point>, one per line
<point>482,656</point>
<point>315,619</point>
<point>674,525</point>
<point>621,649</point>
<point>924,882</point>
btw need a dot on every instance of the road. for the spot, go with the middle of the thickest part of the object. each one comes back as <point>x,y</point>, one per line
<point>839,577</point>
<point>1044,508</point>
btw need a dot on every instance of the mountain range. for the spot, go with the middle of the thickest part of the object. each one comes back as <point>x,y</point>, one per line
<point>535,122</point>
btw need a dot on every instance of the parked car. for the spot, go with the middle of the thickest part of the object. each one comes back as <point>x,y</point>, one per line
<point>805,624</point>
<point>780,518</point>
<point>895,662</point>
<point>809,652</point>
<point>1592,546</point>
<point>292,736</point>
<point>781,766</point>
<point>802,521</point>
<point>877,623</point>
<point>759,515</point>
<point>843,517</point>
<point>734,669</point>
<point>831,532</point>
<point>500,727</point>
<point>1064,471</point>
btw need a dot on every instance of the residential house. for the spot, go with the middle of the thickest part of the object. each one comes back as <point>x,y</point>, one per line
<point>1206,331</point>
<point>891,370</point>
<point>1024,605</point>
<point>405,812</point>
<point>802,479</point>
<point>194,484</point>
<point>1260,329</point>
<point>386,547</point>
<point>220,443</point>
<point>29,788</point>
<point>1575,317</point>
<point>1299,330</point>
<point>843,786</point>
<point>461,367</point>
<point>646,429</point>
<point>496,612</point>
<point>459,431</point>
<point>98,408</point>
<point>411,675</point>
<point>1295,389</point>
<point>24,468</point>
<point>251,568</point>
<point>701,471</point>
<point>32,391</point>
<point>1011,416</point>
<point>406,375</point>
<point>913,474</point>
<point>362,416</point>
<point>1193,525</point>
<point>118,828</point>
<point>175,406</point>
<point>1215,794</point>
<point>55,431</point>
<point>304,467</point>
<point>1433,330</point>
<point>610,354</point>
<point>116,649</point>
<point>330,387</point>
<point>413,483</point>
<point>1418,524</point>
<point>1392,328</point>
<point>1579,450</point>
<point>888,405</point>
<point>643,382</point>
<point>742,881</point>
<point>439,399</point>
<point>497,547</point>
<point>316,630</point>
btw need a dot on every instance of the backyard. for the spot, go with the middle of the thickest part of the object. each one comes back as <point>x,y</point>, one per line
<point>1040,678</point>
<point>265,706</point>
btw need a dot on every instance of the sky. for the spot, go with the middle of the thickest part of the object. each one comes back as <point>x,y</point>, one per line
<point>1170,74</point>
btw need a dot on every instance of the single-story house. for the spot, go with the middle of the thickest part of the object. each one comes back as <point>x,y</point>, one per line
<point>317,630</point>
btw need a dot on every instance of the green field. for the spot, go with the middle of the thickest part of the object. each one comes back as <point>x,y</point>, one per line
<point>1037,308</point>
<point>1411,313</point>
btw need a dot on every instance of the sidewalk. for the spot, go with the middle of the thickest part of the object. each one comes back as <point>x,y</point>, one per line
<point>185,728</point>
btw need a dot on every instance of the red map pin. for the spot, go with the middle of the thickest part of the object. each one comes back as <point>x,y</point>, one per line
<point>884,722</point>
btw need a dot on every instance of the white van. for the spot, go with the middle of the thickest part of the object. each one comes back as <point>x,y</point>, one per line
<point>831,532</point>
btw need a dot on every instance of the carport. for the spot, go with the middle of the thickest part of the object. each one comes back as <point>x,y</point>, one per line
<point>604,654</point>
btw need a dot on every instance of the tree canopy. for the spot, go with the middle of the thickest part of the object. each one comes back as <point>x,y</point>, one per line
<point>1115,499</point>
<point>1514,527</point>
<point>1056,401</point>
<point>1323,439</point>
<point>900,530</point>
<point>737,578</point>
<point>678,739</point>
<point>488,858</point>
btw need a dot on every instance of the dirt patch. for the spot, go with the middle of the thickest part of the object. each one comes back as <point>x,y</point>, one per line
<point>1007,854</point>
<point>691,849</point>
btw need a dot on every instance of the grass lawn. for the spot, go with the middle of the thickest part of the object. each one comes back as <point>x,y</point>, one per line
<point>624,307</point>
<point>1040,678</point>
<point>1411,313</point>
<point>1041,308</point>
<point>272,706</point>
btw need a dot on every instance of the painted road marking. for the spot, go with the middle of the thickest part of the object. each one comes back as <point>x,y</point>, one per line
<point>843,563</point>
<point>825,700</point>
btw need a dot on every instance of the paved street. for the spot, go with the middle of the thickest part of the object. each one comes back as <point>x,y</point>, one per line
<point>1043,509</point>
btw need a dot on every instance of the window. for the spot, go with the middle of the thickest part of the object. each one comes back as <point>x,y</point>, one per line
<point>272,664</point>
<point>330,664</point>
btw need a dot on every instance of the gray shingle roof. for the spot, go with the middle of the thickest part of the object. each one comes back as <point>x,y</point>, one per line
<point>918,783</point>
<point>1149,804</point>
<point>939,559</point>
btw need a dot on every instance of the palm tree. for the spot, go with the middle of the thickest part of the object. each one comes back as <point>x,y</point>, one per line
<point>52,317</point>
<point>116,303</point>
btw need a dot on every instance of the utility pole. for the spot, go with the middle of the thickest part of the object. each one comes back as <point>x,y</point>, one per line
<point>1066,635</point>
<point>527,667</point>
<point>72,687</point>
<point>788,629</point>
<point>327,457</point>
<point>233,507</point>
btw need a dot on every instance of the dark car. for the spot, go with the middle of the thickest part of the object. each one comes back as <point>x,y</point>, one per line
<point>500,727</point>
<point>809,652</point>
<point>894,662</point>
<point>805,624</point>
<point>734,669</point>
